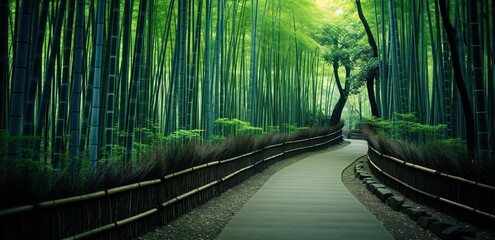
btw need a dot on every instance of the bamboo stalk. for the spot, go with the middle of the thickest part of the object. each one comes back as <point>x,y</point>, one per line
<point>188,170</point>
<point>123,188</point>
<point>16,210</point>
<point>314,138</point>
<point>136,217</point>
<point>170,202</point>
<point>258,162</point>
<point>92,232</point>
<point>323,143</point>
<point>113,225</point>
<point>148,183</point>
<point>208,185</point>
<point>465,207</point>
<point>213,163</point>
<point>273,146</point>
<point>188,194</point>
<point>237,172</point>
<point>73,199</point>
<point>272,157</point>
<point>237,157</point>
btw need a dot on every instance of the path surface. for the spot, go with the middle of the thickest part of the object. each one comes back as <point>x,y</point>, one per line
<point>307,200</point>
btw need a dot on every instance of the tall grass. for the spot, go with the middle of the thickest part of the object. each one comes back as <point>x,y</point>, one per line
<point>27,182</point>
<point>445,156</point>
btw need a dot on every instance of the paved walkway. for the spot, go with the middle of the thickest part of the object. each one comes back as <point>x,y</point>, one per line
<point>307,200</point>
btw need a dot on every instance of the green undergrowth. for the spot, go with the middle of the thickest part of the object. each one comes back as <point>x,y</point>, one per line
<point>406,126</point>
<point>28,182</point>
<point>444,155</point>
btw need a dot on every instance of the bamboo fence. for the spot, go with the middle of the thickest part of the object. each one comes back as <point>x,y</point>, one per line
<point>128,211</point>
<point>462,198</point>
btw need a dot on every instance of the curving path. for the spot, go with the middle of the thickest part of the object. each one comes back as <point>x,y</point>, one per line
<point>307,200</point>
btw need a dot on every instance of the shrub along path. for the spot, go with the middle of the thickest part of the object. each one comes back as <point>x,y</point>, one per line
<point>307,200</point>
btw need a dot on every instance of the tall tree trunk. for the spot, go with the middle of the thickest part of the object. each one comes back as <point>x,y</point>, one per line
<point>344,91</point>
<point>136,73</point>
<point>88,93</point>
<point>491,80</point>
<point>253,62</point>
<point>16,113</point>
<point>75,102</point>
<point>49,78</point>
<point>468,112</point>
<point>94,141</point>
<point>35,69</point>
<point>394,48</point>
<point>370,80</point>
<point>192,96</point>
<point>385,75</point>
<point>172,93</point>
<point>182,24</point>
<point>230,68</point>
<point>483,153</point>
<point>64,90</point>
<point>207,81</point>
<point>145,90</point>
<point>124,67</point>
<point>221,80</point>
<point>166,111</point>
<point>35,72</point>
<point>112,76</point>
<point>4,64</point>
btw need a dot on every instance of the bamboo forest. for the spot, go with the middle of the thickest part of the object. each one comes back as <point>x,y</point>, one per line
<point>98,95</point>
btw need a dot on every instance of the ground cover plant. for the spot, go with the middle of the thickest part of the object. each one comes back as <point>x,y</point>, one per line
<point>29,182</point>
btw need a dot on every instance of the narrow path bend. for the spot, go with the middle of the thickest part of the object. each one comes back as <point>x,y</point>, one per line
<point>307,200</point>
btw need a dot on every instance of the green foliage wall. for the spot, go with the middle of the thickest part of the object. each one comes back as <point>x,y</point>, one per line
<point>126,75</point>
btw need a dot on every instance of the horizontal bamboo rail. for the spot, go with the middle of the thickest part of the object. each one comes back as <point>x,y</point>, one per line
<point>436,173</point>
<point>282,148</point>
